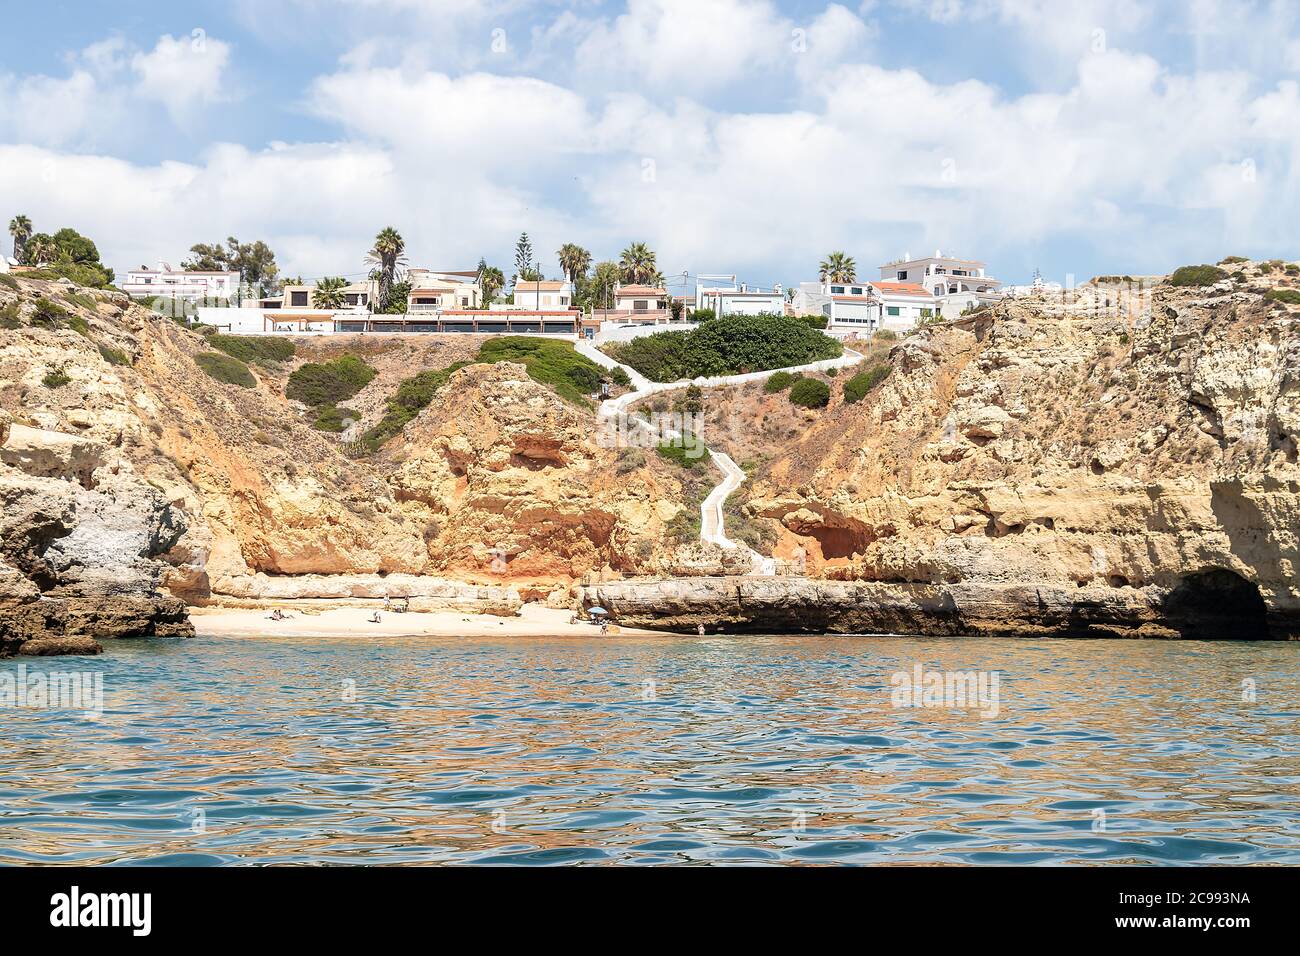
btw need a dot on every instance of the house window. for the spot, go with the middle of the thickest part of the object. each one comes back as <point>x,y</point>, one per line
<point>891,310</point>
<point>298,298</point>
<point>837,290</point>
<point>640,305</point>
<point>902,276</point>
<point>857,290</point>
<point>464,302</point>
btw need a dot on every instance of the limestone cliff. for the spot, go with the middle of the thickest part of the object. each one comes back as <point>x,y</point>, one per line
<point>1031,468</point>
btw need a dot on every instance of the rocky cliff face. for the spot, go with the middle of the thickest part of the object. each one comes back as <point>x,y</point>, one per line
<point>1107,472</point>
<point>127,470</point>
<point>1023,470</point>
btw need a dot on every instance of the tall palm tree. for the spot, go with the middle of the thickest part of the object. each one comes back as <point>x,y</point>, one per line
<point>637,264</point>
<point>20,227</point>
<point>388,254</point>
<point>839,267</point>
<point>574,261</point>
<point>328,293</point>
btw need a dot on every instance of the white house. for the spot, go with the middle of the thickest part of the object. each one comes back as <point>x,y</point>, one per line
<point>544,295</point>
<point>187,284</point>
<point>740,300</point>
<point>435,291</point>
<point>956,284</point>
<point>864,307</point>
<point>6,263</point>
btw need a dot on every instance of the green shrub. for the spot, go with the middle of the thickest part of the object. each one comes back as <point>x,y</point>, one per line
<point>814,321</point>
<point>549,362</point>
<point>727,346</point>
<point>225,368</point>
<point>688,453</point>
<point>49,313</point>
<point>411,398</point>
<point>1232,260</point>
<point>55,378</point>
<point>328,383</point>
<point>8,281</point>
<point>703,315</point>
<point>811,393</point>
<point>79,325</point>
<point>9,316</point>
<point>114,356</point>
<point>330,418</point>
<point>251,348</point>
<point>1289,296</point>
<point>886,335</point>
<point>83,301</point>
<point>618,375</point>
<point>856,388</point>
<point>1197,276</point>
<point>780,381</point>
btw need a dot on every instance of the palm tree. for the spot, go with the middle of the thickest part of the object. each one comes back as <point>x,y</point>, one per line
<point>328,293</point>
<point>40,250</point>
<point>491,280</point>
<point>389,255</point>
<point>838,267</point>
<point>600,290</point>
<point>637,264</point>
<point>20,227</point>
<point>574,261</point>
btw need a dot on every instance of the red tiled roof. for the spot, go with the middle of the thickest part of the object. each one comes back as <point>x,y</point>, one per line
<point>902,288</point>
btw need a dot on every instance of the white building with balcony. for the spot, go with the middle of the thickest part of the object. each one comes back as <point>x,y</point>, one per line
<point>956,284</point>
<point>189,284</point>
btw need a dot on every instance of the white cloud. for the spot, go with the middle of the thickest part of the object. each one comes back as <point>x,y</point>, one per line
<point>182,73</point>
<point>688,43</point>
<point>1148,165</point>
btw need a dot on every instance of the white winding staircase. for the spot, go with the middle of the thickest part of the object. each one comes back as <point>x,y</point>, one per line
<point>712,518</point>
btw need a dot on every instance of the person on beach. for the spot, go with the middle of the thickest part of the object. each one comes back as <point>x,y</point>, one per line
<point>374,618</point>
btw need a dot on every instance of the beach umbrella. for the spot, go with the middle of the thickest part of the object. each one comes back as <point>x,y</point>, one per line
<point>596,610</point>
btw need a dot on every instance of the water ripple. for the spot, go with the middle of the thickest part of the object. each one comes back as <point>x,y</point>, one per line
<point>745,751</point>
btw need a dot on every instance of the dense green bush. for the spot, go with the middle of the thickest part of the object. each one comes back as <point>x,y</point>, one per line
<point>810,393</point>
<point>780,381</point>
<point>253,348</point>
<point>703,315</point>
<point>730,345</point>
<point>328,383</point>
<point>411,398</point>
<point>856,388</point>
<point>1197,276</point>
<point>618,375</point>
<point>572,375</point>
<point>1289,296</point>
<point>225,368</point>
<point>814,321</point>
<point>330,418</point>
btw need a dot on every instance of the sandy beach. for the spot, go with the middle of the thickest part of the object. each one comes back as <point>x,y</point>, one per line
<point>533,621</point>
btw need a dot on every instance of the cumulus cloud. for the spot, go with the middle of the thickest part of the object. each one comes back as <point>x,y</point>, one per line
<point>182,72</point>
<point>1137,165</point>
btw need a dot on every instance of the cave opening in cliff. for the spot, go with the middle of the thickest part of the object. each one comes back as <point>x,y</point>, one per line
<point>1217,604</point>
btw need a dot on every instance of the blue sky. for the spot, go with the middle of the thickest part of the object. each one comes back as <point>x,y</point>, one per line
<point>746,136</point>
